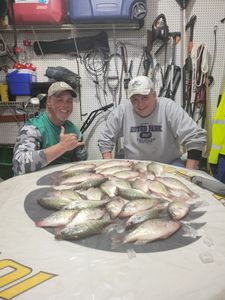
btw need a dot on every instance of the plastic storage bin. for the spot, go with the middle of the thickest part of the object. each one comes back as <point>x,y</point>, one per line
<point>104,11</point>
<point>20,81</point>
<point>6,155</point>
<point>40,11</point>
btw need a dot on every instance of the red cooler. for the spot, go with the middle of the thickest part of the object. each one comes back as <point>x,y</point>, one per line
<point>40,11</point>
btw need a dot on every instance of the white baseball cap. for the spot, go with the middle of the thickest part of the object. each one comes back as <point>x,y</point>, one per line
<point>60,86</point>
<point>140,85</point>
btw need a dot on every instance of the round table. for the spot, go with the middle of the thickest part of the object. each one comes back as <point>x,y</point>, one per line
<point>36,266</point>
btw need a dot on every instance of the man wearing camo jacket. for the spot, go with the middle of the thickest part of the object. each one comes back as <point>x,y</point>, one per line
<point>49,138</point>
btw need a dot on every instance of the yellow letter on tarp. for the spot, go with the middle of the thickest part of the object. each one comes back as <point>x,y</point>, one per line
<point>19,272</point>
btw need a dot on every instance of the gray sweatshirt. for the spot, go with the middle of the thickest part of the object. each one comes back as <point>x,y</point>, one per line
<point>157,137</point>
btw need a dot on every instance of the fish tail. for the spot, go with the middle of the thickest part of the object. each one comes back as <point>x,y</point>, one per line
<point>40,223</point>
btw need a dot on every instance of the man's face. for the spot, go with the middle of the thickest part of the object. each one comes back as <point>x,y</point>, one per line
<point>60,107</point>
<point>144,105</point>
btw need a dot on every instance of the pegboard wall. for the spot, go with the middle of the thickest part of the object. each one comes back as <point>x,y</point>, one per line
<point>92,96</point>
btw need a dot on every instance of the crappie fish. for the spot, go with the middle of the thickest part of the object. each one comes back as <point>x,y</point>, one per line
<point>63,187</point>
<point>113,170</point>
<point>132,194</point>
<point>113,163</point>
<point>120,183</point>
<point>77,178</point>
<point>54,203</point>
<point>115,206</point>
<point>59,218</point>
<point>156,168</point>
<point>135,206</point>
<point>158,188</point>
<point>94,193</point>
<point>142,216</point>
<point>178,210</point>
<point>109,188</point>
<point>79,204</point>
<point>140,166</point>
<point>126,174</point>
<point>66,194</point>
<point>149,231</point>
<point>85,215</point>
<point>79,166</point>
<point>140,184</point>
<point>83,230</point>
<point>92,182</point>
<point>175,184</point>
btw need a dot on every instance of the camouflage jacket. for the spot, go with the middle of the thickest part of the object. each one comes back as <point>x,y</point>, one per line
<point>28,154</point>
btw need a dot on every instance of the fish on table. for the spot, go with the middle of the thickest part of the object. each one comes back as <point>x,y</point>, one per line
<point>137,195</point>
<point>151,230</point>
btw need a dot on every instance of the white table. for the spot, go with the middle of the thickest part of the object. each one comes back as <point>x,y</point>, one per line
<point>33,265</point>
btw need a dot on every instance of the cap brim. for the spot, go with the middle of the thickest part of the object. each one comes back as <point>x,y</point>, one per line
<point>136,92</point>
<point>59,92</point>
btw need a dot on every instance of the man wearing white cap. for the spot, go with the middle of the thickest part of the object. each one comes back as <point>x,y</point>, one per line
<point>49,138</point>
<point>153,128</point>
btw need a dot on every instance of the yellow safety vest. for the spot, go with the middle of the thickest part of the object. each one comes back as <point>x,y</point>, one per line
<point>218,133</point>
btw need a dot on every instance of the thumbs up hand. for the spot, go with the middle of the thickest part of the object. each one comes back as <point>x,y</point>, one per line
<point>68,141</point>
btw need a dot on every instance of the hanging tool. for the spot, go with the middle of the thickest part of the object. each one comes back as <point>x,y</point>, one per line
<point>210,77</point>
<point>147,63</point>
<point>95,63</point>
<point>183,5</point>
<point>93,115</point>
<point>15,50</point>
<point>160,35</point>
<point>187,74</point>
<point>199,55</point>
<point>5,50</point>
<point>112,78</point>
<point>127,77</point>
<point>172,76</point>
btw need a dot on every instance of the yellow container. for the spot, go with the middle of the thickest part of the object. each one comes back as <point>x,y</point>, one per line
<point>4,92</point>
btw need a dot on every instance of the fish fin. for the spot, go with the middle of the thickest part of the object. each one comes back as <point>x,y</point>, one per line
<point>58,229</point>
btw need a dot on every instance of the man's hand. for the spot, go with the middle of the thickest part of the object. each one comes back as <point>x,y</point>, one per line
<point>68,141</point>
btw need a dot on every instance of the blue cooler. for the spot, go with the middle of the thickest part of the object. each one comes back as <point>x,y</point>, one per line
<point>20,81</point>
<point>105,11</point>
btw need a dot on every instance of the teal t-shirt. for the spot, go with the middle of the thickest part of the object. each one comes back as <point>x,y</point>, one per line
<point>50,134</point>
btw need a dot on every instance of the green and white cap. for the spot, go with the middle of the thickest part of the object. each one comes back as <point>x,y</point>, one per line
<point>58,87</point>
<point>140,85</point>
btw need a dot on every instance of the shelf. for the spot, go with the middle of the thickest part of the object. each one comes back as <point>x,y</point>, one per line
<point>69,27</point>
<point>12,111</point>
<point>15,118</point>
